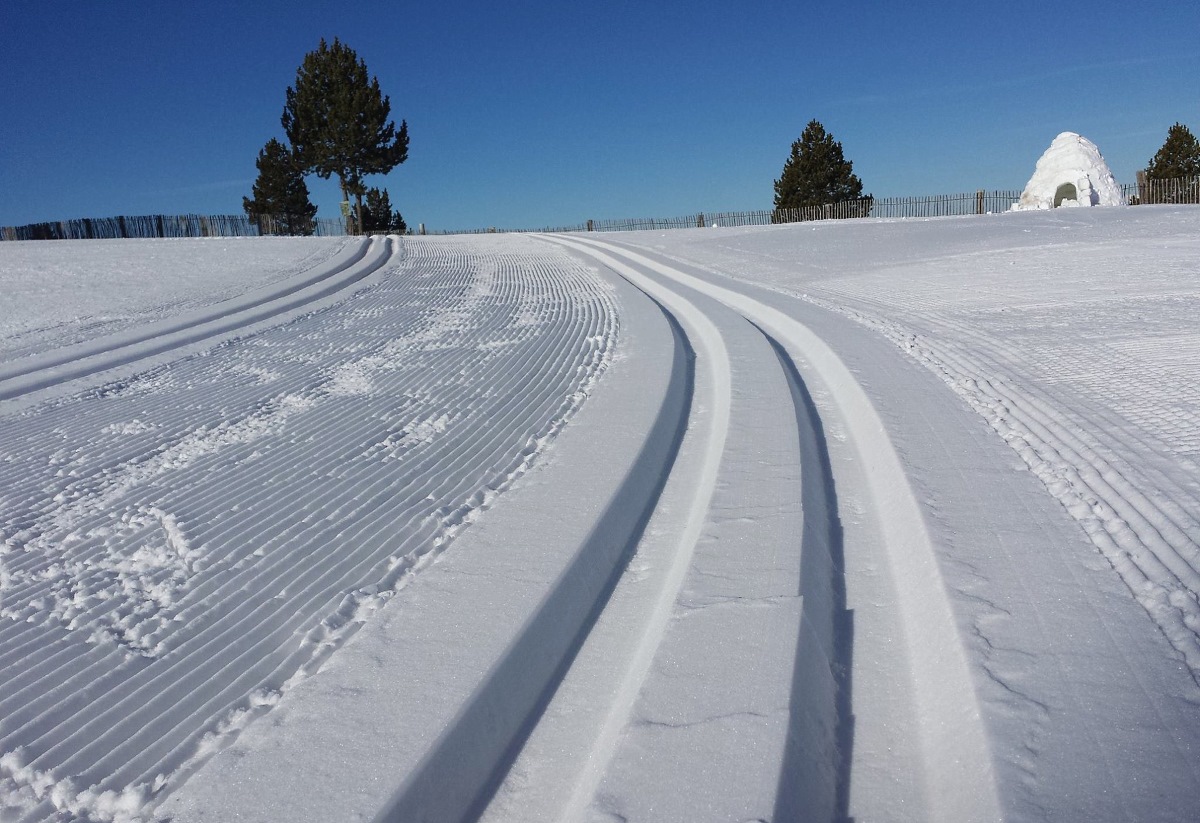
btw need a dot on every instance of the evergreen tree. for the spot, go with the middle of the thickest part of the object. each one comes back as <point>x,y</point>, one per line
<point>1178,157</point>
<point>336,119</point>
<point>280,204</point>
<point>378,216</point>
<point>1178,161</point>
<point>815,174</point>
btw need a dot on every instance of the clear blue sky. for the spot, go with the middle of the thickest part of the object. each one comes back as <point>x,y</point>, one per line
<point>530,113</point>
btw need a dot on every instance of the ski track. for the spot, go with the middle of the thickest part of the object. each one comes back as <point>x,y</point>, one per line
<point>1094,424</point>
<point>1152,539</point>
<point>61,297</point>
<point>61,365</point>
<point>783,715</point>
<point>620,685</point>
<point>237,514</point>
<point>234,515</point>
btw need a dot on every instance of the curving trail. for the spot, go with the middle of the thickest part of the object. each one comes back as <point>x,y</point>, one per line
<point>1143,521</point>
<point>766,729</point>
<point>181,548</point>
<point>730,556</point>
<point>60,366</point>
<point>664,623</point>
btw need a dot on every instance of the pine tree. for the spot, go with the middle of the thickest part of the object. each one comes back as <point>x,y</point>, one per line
<point>1178,157</point>
<point>1174,172</point>
<point>378,215</point>
<point>815,174</point>
<point>280,203</point>
<point>336,119</point>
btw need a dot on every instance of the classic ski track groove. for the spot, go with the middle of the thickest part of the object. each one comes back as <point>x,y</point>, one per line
<point>236,632</point>
<point>615,667</point>
<point>1151,542</point>
<point>30,374</point>
<point>706,434</point>
<point>963,788</point>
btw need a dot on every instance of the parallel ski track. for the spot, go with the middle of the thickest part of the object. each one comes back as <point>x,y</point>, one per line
<point>1151,540</point>
<point>962,787</point>
<point>302,503</point>
<point>30,374</point>
<point>196,256</point>
<point>708,428</point>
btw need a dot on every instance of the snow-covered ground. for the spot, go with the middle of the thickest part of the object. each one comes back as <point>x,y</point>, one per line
<point>58,293</point>
<point>871,520</point>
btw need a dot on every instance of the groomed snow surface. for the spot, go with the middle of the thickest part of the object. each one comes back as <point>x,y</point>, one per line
<point>855,520</point>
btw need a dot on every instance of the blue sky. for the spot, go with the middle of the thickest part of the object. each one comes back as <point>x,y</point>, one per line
<point>534,113</point>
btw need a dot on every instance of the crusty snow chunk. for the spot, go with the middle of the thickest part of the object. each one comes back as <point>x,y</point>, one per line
<point>1071,173</point>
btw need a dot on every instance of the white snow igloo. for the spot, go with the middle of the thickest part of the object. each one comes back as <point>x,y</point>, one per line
<point>1071,173</point>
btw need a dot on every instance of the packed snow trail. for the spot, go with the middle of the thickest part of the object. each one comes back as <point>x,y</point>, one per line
<point>1106,416</point>
<point>949,771</point>
<point>746,571</point>
<point>656,707</point>
<point>1150,537</point>
<point>1053,633</point>
<point>773,568</point>
<point>61,294</point>
<point>181,548</point>
<point>62,365</point>
<point>532,571</point>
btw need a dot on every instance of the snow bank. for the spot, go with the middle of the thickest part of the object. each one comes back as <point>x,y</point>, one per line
<point>1071,173</point>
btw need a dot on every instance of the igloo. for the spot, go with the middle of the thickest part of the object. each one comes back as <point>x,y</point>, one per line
<point>1071,173</point>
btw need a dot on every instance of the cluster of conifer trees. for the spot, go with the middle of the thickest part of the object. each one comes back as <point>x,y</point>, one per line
<point>337,122</point>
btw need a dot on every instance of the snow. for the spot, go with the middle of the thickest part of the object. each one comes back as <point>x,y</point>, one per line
<point>57,293</point>
<point>869,519</point>
<point>1071,172</point>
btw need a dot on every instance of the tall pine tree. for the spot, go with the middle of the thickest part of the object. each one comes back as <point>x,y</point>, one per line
<point>280,204</point>
<point>1178,161</point>
<point>336,119</point>
<point>1178,157</point>
<point>815,174</point>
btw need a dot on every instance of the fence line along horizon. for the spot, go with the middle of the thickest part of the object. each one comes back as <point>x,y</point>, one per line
<point>1183,190</point>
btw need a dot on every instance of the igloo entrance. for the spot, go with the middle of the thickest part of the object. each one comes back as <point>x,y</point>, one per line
<point>1066,191</point>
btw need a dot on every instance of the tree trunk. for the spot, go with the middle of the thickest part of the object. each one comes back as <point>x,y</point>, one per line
<point>350,219</point>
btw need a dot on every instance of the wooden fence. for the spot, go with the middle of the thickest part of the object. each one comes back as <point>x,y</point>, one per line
<point>980,202</point>
<point>161,225</point>
<point>1180,190</point>
<point>1176,190</point>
